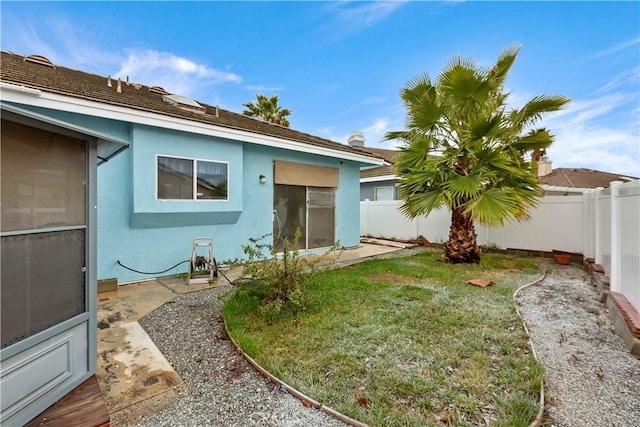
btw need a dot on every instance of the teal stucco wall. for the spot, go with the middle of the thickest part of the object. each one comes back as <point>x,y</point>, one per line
<point>150,235</point>
<point>164,237</point>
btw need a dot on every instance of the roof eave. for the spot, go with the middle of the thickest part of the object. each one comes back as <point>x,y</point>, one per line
<point>41,98</point>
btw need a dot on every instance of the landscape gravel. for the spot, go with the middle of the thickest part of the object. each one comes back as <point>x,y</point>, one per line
<point>222,388</point>
<point>591,379</point>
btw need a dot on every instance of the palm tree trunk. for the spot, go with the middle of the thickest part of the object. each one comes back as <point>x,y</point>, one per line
<point>461,247</point>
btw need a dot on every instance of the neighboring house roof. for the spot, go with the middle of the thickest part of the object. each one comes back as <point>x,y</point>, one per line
<point>581,178</point>
<point>379,173</point>
<point>388,155</point>
<point>78,84</point>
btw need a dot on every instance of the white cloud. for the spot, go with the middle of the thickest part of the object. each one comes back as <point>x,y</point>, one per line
<point>365,14</point>
<point>631,76</point>
<point>578,112</point>
<point>78,46</point>
<point>373,133</point>
<point>263,89</point>
<point>600,148</point>
<point>586,138</point>
<point>373,100</point>
<point>175,74</point>
<point>351,17</point>
<point>615,49</point>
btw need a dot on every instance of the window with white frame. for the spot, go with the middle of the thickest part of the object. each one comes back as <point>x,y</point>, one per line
<point>383,193</point>
<point>192,179</point>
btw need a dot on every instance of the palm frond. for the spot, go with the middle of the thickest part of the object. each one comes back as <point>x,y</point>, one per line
<point>534,140</point>
<point>464,187</point>
<point>486,126</point>
<point>494,206</point>
<point>498,73</point>
<point>532,111</point>
<point>418,204</point>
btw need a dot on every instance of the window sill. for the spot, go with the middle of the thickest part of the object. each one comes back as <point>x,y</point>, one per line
<point>182,219</point>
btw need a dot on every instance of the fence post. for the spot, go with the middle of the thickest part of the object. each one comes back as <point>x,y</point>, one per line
<point>364,228</point>
<point>598,226</point>
<point>616,229</point>
<point>587,224</point>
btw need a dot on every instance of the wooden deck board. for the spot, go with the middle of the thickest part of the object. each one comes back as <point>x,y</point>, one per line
<point>84,406</point>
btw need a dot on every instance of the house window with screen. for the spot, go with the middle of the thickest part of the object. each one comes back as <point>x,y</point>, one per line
<point>192,179</point>
<point>383,193</point>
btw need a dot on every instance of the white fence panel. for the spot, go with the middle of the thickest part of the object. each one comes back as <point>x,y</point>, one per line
<point>604,227</point>
<point>435,226</point>
<point>588,218</point>
<point>382,219</point>
<point>556,223</point>
<point>629,197</point>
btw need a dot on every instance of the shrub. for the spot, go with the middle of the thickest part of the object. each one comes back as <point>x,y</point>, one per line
<point>284,275</point>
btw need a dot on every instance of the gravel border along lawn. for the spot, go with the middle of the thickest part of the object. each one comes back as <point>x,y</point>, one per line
<point>591,379</point>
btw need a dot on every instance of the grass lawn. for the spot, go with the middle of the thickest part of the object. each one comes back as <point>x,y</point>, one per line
<point>403,342</point>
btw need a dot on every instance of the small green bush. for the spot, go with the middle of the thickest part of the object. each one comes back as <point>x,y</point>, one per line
<point>284,275</point>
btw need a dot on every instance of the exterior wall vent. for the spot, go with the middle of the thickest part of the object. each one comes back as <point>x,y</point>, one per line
<point>158,90</point>
<point>40,60</point>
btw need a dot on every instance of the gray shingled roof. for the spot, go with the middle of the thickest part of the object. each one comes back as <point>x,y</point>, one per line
<point>386,170</point>
<point>79,84</point>
<point>581,178</point>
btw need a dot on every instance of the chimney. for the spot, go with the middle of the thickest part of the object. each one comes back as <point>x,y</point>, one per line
<point>356,139</point>
<point>544,166</point>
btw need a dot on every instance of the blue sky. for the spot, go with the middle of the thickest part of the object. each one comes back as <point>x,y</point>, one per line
<point>339,66</point>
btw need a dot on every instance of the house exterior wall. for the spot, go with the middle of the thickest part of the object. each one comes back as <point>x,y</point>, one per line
<point>149,235</point>
<point>367,189</point>
<point>164,236</point>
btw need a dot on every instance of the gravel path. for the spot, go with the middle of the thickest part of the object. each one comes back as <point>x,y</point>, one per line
<point>224,390</point>
<point>591,378</point>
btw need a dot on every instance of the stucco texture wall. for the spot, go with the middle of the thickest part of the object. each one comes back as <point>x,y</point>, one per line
<point>164,235</point>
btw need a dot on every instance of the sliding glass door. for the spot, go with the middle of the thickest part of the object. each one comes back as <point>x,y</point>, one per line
<point>309,209</point>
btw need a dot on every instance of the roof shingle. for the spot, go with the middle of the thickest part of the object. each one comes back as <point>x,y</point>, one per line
<point>79,84</point>
<point>581,178</point>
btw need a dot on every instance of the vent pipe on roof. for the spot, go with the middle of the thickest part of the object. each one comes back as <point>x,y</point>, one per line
<point>356,139</point>
<point>217,112</point>
<point>109,81</point>
<point>127,80</point>
<point>119,88</point>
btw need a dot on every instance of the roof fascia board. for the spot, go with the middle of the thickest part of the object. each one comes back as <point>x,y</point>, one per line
<point>127,114</point>
<point>378,178</point>
<point>19,89</point>
<point>385,163</point>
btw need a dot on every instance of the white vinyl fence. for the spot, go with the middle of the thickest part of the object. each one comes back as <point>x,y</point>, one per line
<point>612,227</point>
<point>556,223</point>
<point>595,224</point>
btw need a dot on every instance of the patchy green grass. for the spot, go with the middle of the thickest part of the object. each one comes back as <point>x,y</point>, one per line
<point>403,342</point>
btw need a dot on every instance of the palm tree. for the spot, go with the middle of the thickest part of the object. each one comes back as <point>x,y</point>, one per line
<point>268,110</point>
<point>465,150</point>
